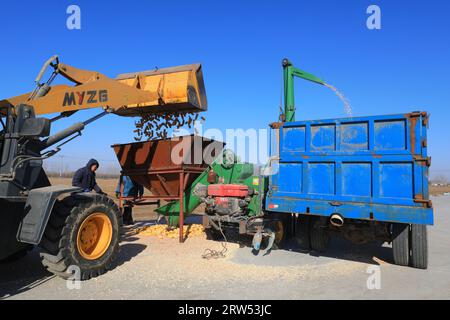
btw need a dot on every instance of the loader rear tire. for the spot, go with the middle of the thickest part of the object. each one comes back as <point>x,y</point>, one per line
<point>419,246</point>
<point>400,244</point>
<point>82,236</point>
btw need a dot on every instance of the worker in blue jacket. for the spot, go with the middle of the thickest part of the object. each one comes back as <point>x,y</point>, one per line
<point>130,189</point>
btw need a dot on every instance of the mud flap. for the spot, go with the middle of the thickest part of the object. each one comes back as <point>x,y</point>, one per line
<point>37,210</point>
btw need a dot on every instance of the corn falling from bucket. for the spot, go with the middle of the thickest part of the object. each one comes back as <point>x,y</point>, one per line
<point>156,126</point>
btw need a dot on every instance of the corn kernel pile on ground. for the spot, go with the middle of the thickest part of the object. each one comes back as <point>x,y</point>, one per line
<point>162,231</point>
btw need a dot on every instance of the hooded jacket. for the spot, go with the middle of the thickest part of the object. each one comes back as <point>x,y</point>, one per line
<point>85,178</point>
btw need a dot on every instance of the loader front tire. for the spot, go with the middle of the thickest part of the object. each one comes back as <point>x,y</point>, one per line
<point>82,236</point>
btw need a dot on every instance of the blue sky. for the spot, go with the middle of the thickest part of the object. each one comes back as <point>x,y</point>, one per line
<point>401,68</point>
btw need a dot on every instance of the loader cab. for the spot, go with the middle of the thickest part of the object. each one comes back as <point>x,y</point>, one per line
<point>24,125</point>
<point>21,162</point>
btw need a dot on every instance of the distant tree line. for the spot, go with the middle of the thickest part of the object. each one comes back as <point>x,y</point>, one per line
<point>440,179</point>
<point>69,174</point>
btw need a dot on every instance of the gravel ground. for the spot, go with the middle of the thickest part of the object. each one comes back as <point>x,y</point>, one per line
<point>152,268</point>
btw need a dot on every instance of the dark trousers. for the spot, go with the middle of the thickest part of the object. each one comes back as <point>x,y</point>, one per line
<point>127,214</point>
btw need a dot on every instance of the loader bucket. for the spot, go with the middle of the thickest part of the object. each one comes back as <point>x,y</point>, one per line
<point>179,89</point>
<point>157,164</point>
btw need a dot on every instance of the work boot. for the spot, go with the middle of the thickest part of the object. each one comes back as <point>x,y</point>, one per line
<point>127,221</point>
<point>127,217</point>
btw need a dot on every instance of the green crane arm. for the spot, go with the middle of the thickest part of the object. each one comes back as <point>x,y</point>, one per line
<point>289,72</point>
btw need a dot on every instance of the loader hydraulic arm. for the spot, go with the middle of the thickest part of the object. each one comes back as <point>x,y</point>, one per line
<point>179,89</point>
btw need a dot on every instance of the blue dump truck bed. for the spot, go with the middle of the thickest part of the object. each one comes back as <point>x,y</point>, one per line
<point>370,168</point>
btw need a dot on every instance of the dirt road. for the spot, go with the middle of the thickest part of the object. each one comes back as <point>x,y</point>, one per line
<point>152,268</point>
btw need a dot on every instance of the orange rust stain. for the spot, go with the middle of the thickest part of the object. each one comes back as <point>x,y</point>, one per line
<point>412,135</point>
<point>276,125</point>
<point>375,155</point>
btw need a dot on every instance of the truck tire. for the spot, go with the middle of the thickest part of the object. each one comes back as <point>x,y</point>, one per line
<point>83,232</point>
<point>281,227</point>
<point>419,246</point>
<point>319,237</point>
<point>302,234</point>
<point>400,244</point>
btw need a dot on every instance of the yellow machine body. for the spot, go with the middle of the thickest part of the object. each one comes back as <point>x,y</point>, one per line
<point>176,89</point>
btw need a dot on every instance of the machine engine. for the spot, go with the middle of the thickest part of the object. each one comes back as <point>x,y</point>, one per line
<point>225,199</point>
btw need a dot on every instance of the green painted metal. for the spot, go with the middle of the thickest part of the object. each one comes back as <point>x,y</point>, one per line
<point>228,171</point>
<point>289,72</point>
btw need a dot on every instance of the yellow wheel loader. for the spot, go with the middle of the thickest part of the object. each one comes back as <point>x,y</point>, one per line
<point>75,231</point>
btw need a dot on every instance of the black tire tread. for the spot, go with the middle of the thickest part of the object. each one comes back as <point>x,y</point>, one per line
<point>400,244</point>
<point>319,237</point>
<point>55,250</point>
<point>302,235</point>
<point>419,246</point>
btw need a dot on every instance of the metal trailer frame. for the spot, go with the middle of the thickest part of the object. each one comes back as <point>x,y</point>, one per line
<point>183,173</point>
<point>150,164</point>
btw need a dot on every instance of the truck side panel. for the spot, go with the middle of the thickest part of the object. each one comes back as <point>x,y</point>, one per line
<point>372,168</point>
